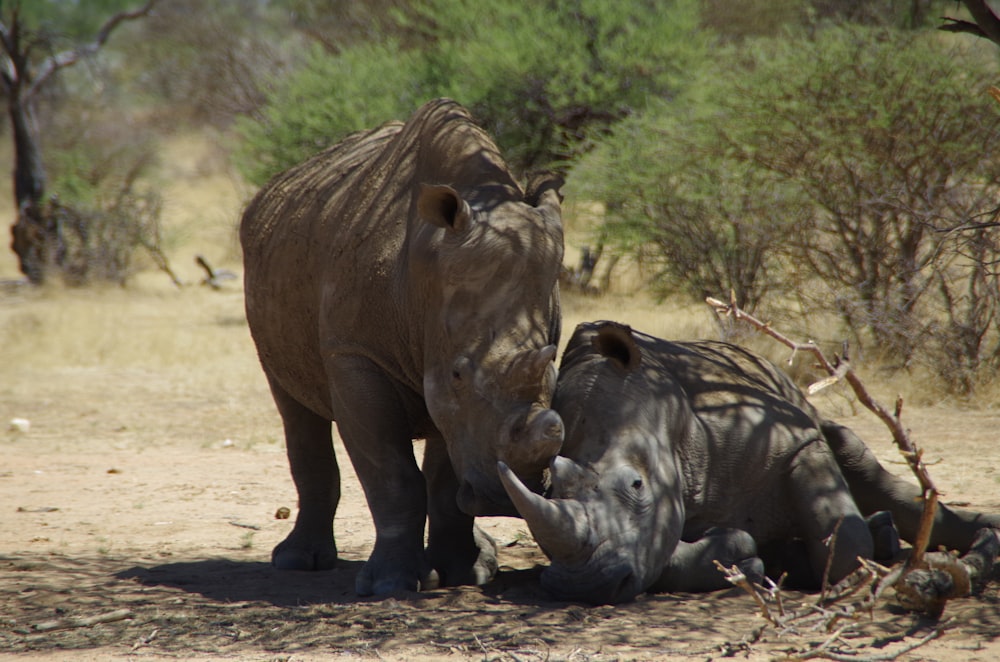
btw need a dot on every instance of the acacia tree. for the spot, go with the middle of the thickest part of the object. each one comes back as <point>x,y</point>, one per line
<point>27,66</point>
<point>900,156</point>
<point>870,162</point>
<point>543,78</point>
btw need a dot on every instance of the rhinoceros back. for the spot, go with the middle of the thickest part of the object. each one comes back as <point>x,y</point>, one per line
<point>292,201</point>
<point>324,245</point>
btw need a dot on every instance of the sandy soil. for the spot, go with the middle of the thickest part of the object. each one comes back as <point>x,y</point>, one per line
<point>146,488</point>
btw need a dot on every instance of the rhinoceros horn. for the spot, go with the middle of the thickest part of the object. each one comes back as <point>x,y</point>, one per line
<point>558,525</point>
<point>532,367</point>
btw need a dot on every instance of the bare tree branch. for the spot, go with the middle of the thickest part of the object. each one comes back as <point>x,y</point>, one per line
<point>69,57</point>
<point>986,25</point>
<point>840,369</point>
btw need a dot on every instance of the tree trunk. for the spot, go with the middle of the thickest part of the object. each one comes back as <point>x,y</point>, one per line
<point>35,239</point>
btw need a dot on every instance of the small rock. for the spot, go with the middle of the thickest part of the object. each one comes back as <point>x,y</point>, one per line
<point>20,424</point>
<point>282,513</point>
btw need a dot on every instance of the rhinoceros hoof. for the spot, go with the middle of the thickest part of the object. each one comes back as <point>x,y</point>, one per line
<point>370,582</point>
<point>290,556</point>
<point>753,569</point>
<point>885,536</point>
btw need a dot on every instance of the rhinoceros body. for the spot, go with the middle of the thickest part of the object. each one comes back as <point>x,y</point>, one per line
<point>679,453</point>
<point>402,284</point>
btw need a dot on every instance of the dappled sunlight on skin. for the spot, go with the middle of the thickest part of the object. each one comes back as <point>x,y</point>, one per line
<point>726,440</point>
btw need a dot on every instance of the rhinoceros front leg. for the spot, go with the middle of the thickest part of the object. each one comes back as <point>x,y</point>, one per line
<point>374,425</point>
<point>310,545</point>
<point>692,569</point>
<point>461,552</point>
<point>822,504</point>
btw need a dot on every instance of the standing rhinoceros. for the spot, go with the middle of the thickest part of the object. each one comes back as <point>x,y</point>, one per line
<point>678,453</point>
<point>403,284</point>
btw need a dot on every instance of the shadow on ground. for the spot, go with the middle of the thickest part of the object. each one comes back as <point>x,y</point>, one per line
<point>222,607</point>
<point>225,580</point>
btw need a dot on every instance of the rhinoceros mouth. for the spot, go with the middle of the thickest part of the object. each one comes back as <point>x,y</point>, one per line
<point>612,585</point>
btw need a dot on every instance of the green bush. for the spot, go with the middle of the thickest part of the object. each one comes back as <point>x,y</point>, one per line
<point>840,169</point>
<point>543,78</point>
<point>325,100</point>
<point>103,207</point>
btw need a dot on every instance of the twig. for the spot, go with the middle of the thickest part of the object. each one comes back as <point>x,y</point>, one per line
<point>66,623</point>
<point>832,546</point>
<point>145,641</point>
<point>736,577</point>
<point>244,525</point>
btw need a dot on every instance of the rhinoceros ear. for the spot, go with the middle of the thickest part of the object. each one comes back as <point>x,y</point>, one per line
<point>542,183</point>
<point>615,341</point>
<point>442,206</point>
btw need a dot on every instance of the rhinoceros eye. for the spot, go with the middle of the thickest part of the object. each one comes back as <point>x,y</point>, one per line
<point>633,493</point>
<point>461,372</point>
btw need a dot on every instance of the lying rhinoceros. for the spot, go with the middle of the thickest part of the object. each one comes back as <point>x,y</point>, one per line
<point>404,285</point>
<point>678,453</point>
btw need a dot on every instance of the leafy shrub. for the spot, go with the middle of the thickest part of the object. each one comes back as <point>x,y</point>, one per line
<point>848,169</point>
<point>543,78</point>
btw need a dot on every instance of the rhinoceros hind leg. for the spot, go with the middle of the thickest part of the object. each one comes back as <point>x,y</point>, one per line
<point>692,569</point>
<point>310,545</point>
<point>875,488</point>
<point>462,553</point>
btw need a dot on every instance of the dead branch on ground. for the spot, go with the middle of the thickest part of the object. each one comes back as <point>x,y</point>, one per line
<point>923,584</point>
<point>83,622</point>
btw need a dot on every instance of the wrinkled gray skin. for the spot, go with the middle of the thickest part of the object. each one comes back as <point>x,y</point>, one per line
<point>678,453</point>
<point>402,284</point>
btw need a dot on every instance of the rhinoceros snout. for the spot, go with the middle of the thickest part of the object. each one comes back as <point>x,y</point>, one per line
<point>540,442</point>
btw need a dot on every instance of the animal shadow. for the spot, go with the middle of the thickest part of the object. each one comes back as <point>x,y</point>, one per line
<point>225,580</point>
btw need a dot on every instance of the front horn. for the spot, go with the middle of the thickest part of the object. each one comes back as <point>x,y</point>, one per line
<point>559,526</point>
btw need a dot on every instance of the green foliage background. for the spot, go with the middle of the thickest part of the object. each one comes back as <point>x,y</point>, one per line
<point>816,158</point>
<point>544,78</point>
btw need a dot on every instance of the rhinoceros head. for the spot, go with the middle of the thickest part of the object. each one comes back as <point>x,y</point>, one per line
<point>489,372</point>
<point>616,510</point>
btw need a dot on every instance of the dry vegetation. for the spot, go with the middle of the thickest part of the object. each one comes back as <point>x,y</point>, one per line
<point>153,466</point>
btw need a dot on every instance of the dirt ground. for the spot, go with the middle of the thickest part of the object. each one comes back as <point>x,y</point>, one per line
<point>145,488</point>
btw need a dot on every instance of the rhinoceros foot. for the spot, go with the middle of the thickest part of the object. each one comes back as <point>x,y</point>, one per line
<point>300,553</point>
<point>885,536</point>
<point>388,572</point>
<point>464,564</point>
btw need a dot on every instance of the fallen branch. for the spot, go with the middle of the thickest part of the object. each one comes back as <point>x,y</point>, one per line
<point>840,369</point>
<point>828,616</point>
<point>925,582</point>
<point>84,622</point>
